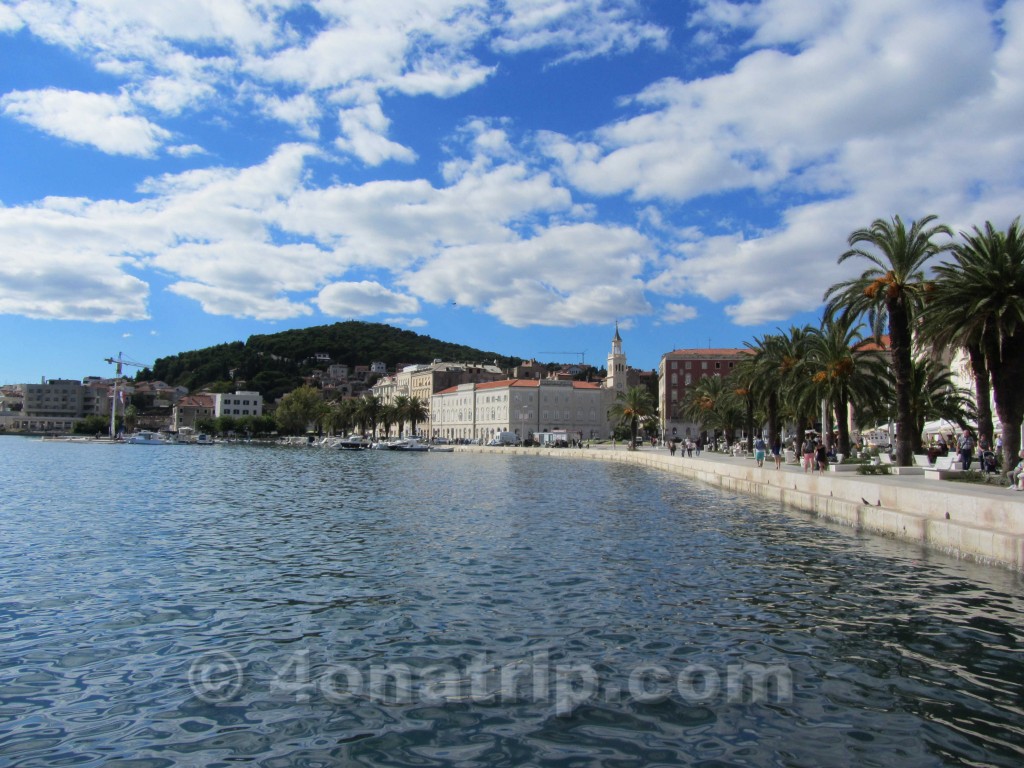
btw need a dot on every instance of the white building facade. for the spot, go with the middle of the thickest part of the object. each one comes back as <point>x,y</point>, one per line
<point>478,412</point>
<point>238,404</point>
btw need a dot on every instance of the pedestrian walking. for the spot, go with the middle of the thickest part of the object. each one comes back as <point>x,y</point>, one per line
<point>777,452</point>
<point>821,457</point>
<point>808,454</point>
<point>965,447</point>
<point>759,451</point>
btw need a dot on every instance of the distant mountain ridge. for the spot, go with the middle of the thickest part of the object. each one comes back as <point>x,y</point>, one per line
<point>276,363</point>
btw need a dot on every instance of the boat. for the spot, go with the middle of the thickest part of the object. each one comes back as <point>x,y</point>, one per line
<point>408,444</point>
<point>352,443</point>
<point>442,449</point>
<point>203,439</point>
<point>146,437</point>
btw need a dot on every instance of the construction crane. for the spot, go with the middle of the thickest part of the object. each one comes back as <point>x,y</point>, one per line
<point>120,361</point>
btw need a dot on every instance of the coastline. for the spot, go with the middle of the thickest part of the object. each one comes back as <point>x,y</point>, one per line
<point>984,524</point>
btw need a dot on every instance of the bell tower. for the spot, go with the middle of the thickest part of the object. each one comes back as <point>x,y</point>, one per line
<point>616,379</point>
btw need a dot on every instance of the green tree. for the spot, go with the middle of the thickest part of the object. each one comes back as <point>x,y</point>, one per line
<point>300,409</point>
<point>713,404</point>
<point>131,418</point>
<point>844,372</point>
<point>978,305</point>
<point>207,425</point>
<point>401,412</point>
<point>367,413</point>
<point>632,407</point>
<point>225,425</point>
<point>416,411</point>
<point>92,425</point>
<point>389,415</point>
<point>891,292</point>
<point>934,395</point>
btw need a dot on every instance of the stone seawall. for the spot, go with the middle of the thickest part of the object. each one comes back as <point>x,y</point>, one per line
<point>981,523</point>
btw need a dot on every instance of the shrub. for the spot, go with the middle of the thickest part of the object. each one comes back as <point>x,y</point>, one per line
<point>873,469</point>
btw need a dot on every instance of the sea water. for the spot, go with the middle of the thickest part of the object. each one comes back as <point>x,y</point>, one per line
<point>232,604</point>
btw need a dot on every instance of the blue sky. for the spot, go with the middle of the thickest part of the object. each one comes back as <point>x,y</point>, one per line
<point>516,175</point>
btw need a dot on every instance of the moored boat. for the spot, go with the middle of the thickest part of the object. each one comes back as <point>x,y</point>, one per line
<point>408,444</point>
<point>353,443</point>
<point>146,437</point>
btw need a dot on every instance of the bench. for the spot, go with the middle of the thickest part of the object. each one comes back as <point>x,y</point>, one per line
<point>944,467</point>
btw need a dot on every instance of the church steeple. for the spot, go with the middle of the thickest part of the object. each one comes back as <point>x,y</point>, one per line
<point>616,379</point>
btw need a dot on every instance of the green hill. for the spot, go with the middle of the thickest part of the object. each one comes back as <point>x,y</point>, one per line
<point>273,364</point>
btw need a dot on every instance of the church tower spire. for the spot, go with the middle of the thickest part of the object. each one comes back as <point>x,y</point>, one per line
<point>616,379</point>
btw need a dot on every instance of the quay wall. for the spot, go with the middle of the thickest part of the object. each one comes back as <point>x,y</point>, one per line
<point>970,522</point>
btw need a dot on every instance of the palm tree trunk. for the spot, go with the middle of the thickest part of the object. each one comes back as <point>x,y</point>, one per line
<point>982,393</point>
<point>750,421</point>
<point>772,407</point>
<point>899,335</point>
<point>1007,368</point>
<point>843,423</point>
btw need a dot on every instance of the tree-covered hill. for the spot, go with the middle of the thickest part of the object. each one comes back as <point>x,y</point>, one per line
<point>275,363</point>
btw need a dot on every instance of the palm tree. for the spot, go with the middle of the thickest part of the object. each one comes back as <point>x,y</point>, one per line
<point>796,390</point>
<point>416,411</point>
<point>765,381</point>
<point>978,305</point>
<point>388,416</point>
<point>891,292</point>
<point>631,407</point>
<point>745,384</point>
<point>935,396</point>
<point>713,403</point>
<point>367,413</point>
<point>844,372</point>
<point>401,412</point>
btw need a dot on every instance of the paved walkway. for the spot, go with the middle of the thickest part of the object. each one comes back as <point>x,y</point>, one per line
<point>991,490</point>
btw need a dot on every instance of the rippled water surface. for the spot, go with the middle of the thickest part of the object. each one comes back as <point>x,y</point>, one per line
<point>283,606</point>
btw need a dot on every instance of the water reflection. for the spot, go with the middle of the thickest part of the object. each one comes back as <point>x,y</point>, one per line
<point>312,567</point>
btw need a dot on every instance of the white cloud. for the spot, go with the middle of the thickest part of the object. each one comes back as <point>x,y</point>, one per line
<point>580,28</point>
<point>863,110</point>
<point>564,275</point>
<point>9,20</point>
<point>185,150</point>
<point>300,111</point>
<point>677,313</point>
<point>104,121</point>
<point>363,130</point>
<point>260,242</point>
<point>406,322</point>
<point>362,299</point>
<point>236,303</point>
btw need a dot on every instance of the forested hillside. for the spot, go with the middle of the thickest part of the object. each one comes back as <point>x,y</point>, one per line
<point>275,363</point>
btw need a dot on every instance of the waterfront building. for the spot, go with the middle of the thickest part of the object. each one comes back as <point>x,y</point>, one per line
<point>677,372</point>
<point>238,404</point>
<point>190,409</point>
<point>56,405</point>
<point>479,411</point>
<point>424,380</point>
